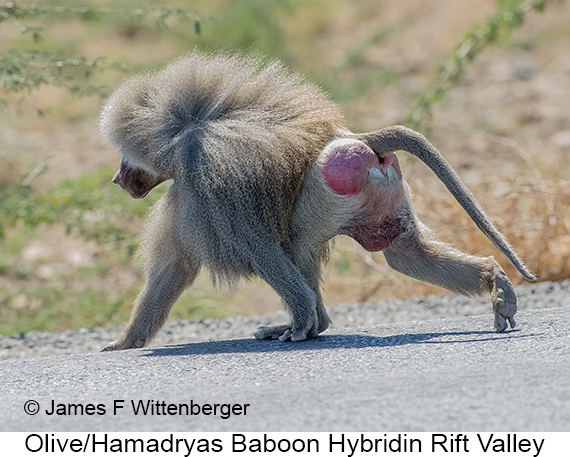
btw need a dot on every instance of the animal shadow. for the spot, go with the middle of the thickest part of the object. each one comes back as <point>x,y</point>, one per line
<point>355,341</point>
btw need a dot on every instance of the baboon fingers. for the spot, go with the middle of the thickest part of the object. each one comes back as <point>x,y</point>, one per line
<point>283,333</point>
<point>288,335</point>
<point>124,343</point>
<point>271,333</point>
<point>295,336</point>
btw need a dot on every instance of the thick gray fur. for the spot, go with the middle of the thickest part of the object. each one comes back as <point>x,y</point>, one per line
<point>240,139</point>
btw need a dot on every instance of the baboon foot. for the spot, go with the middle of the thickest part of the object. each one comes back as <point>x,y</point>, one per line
<point>283,333</point>
<point>124,343</point>
<point>504,301</point>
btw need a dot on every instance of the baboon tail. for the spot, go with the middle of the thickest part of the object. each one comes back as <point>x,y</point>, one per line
<point>397,138</point>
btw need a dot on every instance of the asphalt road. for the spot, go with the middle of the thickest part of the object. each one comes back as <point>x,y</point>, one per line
<point>444,374</point>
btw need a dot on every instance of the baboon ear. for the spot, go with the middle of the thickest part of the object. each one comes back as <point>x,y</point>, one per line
<point>136,181</point>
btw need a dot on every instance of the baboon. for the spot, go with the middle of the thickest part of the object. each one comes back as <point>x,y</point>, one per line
<point>265,174</point>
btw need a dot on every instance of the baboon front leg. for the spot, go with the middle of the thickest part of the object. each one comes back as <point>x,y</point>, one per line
<point>442,265</point>
<point>279,271</point>
<point>164,285</point>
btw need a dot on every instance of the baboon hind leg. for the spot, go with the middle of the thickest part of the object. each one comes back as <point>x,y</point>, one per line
<point>442,265</point>
<point>309,263</point>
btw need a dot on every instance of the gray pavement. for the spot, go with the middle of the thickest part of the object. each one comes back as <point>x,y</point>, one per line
<point>450,374</point>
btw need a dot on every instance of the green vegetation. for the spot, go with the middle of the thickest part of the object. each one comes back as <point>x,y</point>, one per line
<point>28,69</point>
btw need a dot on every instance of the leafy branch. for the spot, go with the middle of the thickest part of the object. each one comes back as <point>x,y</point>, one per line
<point>510,14</point>
<point>16,12</point>
<point>22,70</point>
<point>26,70</point>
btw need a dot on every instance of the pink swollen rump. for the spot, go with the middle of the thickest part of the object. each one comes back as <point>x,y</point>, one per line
<point>345,170</point>
<point>346,167</point>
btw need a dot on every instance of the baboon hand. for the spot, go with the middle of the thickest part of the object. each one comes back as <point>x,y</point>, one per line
<point>504,301</point>
<point>124,343</point>
<point>288,332</point>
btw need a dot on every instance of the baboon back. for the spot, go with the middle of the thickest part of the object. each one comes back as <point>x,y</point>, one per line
<point>238,134</point>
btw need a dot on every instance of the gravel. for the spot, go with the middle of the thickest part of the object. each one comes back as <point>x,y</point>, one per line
<point>42,344</point>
